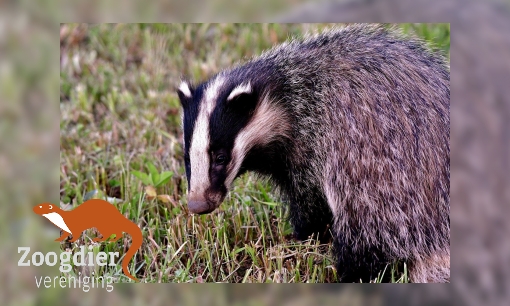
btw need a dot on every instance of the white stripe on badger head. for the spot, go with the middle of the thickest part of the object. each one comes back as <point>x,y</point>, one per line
<point>240,89</point>
<point>268,123</point>
<point>199,156</point>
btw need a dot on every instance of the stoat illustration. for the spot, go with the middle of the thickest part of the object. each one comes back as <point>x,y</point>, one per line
<point>94,213</point>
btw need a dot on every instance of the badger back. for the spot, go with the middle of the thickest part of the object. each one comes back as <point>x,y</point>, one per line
<point>387,175</point>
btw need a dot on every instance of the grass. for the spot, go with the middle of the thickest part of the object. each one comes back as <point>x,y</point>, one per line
<point>121,140</point>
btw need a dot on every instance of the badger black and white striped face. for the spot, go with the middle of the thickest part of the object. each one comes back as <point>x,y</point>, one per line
<point>222,121</point>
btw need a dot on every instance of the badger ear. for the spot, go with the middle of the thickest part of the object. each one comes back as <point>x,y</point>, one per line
<point>185,92</point>
<point>239,90</point>
<point>242,98</point>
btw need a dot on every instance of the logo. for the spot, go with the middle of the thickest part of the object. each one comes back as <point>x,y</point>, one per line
<point>92,213</point>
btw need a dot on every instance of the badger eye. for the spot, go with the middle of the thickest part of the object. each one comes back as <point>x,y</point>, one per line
<point>220,159</point>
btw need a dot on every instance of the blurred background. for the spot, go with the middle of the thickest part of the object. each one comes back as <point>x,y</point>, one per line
<point>480,59</point>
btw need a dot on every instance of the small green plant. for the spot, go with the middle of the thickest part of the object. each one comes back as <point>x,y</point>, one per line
<point>153,177</point>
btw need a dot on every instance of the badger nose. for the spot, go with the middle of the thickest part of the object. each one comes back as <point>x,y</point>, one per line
<point>199,207</point>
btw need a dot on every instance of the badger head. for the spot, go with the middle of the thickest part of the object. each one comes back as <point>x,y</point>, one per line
<point>223,120</point>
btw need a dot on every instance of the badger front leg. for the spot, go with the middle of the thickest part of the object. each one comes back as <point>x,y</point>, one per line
<point>310,217</point>
<point>354,265</point>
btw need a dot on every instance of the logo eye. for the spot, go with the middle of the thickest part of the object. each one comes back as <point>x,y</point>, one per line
<point>51,206</point>
<point>220,159</point>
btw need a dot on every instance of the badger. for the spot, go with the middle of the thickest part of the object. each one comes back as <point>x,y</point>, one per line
<point>352,126</point>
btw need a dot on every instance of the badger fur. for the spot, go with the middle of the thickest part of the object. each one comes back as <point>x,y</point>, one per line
<point>353,127</point>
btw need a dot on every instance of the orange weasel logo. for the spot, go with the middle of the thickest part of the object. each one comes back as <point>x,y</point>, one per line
<point>94,213</point>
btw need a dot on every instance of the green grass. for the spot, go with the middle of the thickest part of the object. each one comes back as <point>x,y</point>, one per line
<point>121,139</point>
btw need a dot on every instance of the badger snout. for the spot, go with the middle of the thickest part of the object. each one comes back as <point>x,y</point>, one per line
<point>200,207</point>
<point>206,203</point>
